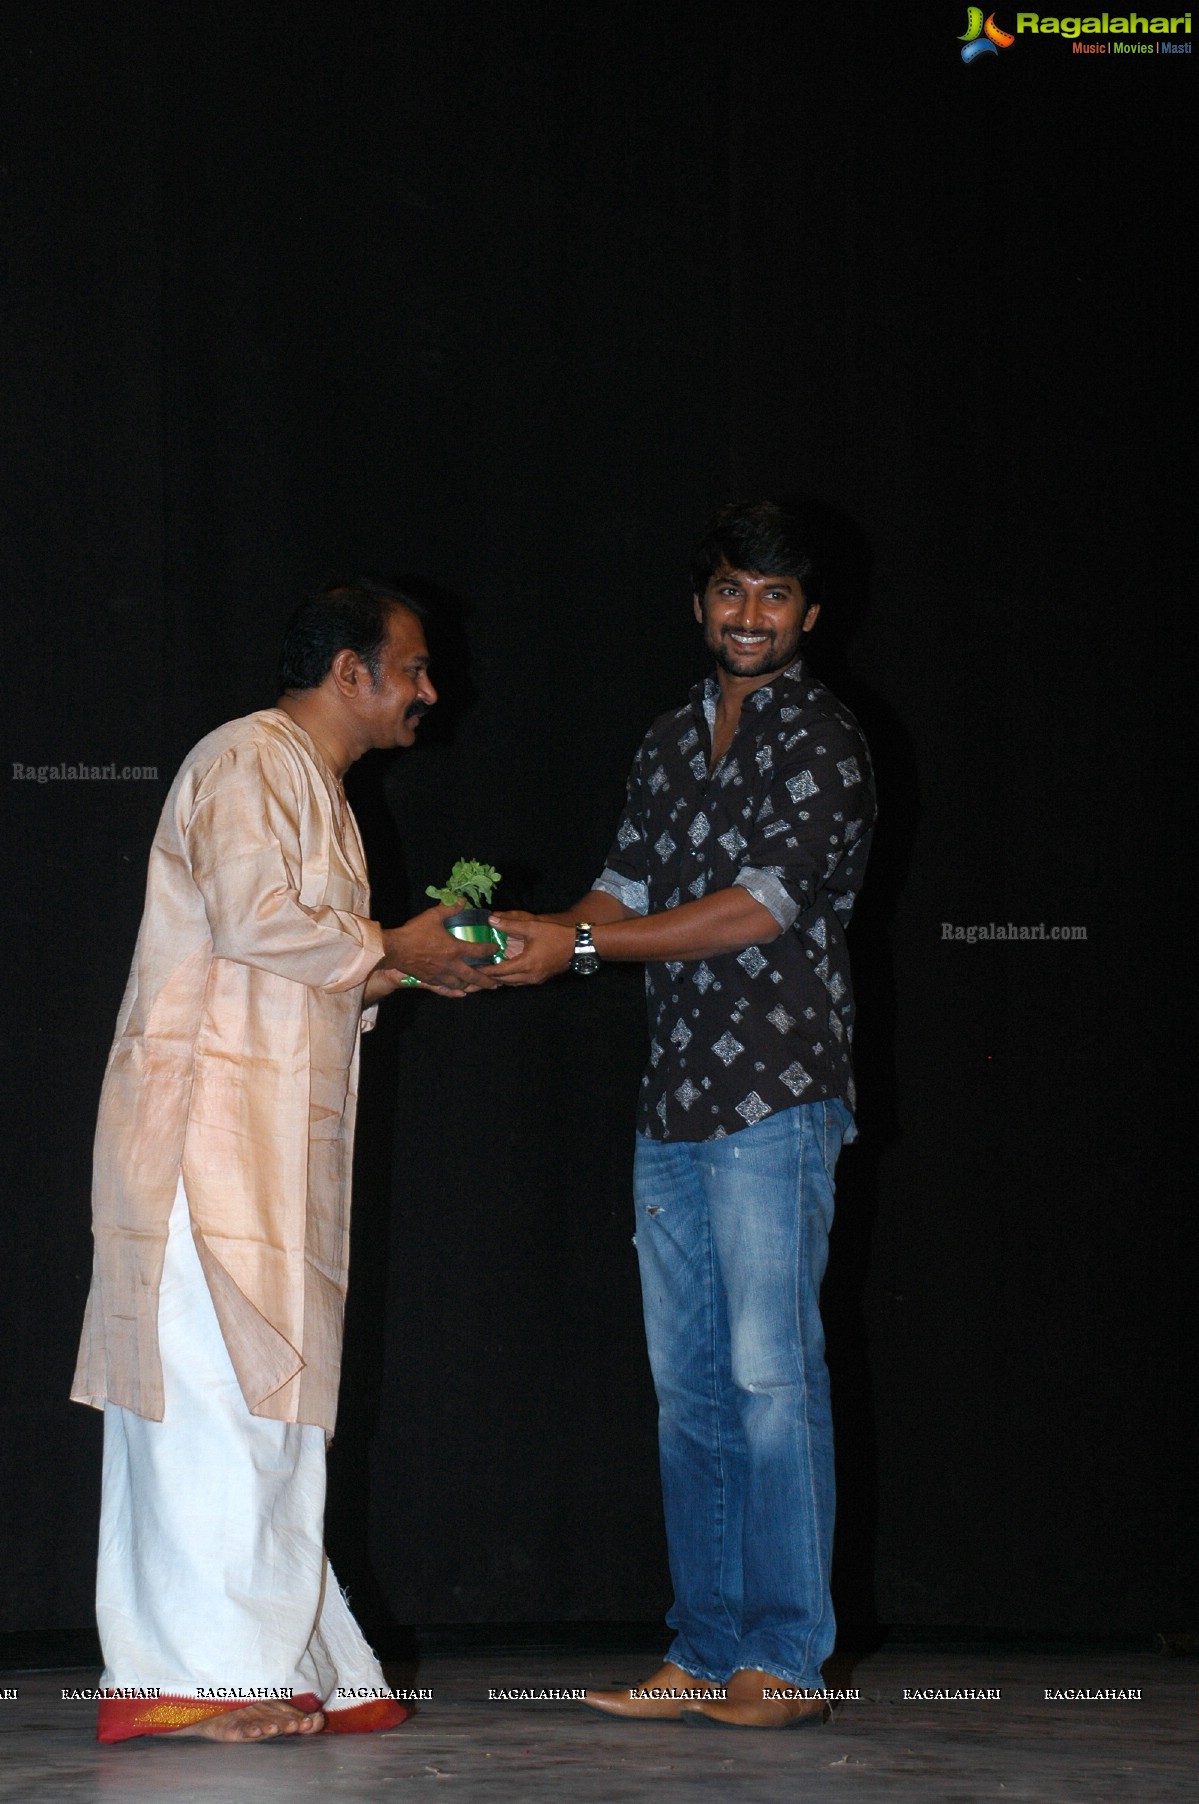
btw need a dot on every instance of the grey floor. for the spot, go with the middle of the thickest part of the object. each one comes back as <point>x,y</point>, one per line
<point>463,1744</point>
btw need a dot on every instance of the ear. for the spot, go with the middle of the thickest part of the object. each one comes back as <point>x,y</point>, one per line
<point>811,617</point>
<point>348,673</point>
<point>698,608</point>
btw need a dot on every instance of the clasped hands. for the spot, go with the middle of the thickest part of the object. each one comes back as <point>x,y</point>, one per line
<point>422,948</point>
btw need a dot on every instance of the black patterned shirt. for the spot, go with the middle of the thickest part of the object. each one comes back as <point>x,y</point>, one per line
<point>787,814</point>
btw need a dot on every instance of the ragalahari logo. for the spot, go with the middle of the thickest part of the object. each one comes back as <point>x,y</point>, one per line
<point>982,38</point>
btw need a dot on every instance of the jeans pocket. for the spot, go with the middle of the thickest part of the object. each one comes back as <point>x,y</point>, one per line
<point>839,1130</point>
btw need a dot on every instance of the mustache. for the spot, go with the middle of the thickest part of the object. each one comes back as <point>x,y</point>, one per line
<point>416,709</point>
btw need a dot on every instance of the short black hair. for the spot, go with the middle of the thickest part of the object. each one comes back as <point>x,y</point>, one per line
<point>763,539</point>
<point>346,616</point>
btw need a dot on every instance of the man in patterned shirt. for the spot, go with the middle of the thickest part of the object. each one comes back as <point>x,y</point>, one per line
<point>732,876</point>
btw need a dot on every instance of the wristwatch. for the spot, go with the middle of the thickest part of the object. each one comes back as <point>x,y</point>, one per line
<point>586,960</point>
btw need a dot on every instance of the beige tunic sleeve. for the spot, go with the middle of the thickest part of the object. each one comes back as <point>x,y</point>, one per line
<point>266,901</point>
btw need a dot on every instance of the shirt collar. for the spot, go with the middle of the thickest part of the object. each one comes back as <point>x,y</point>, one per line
<point>706,694</point>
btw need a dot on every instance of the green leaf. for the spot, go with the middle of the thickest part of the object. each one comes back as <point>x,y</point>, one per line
<point>470,880</point>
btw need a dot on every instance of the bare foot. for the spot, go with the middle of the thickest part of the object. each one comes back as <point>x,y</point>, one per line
<point>256,1722</point>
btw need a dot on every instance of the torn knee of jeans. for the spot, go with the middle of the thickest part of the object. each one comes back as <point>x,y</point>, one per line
<point>653,1208</point>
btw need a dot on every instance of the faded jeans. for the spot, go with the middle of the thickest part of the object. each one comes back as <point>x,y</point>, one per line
<point>732,1239</point>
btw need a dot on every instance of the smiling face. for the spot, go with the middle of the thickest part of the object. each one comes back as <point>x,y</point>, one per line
<point>754,625</point>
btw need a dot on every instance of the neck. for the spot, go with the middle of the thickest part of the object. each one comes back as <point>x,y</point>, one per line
<point>328,732</point>
<point>734,689</point>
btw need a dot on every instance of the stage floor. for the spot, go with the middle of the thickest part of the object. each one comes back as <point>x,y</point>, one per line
<point>881,1746</point>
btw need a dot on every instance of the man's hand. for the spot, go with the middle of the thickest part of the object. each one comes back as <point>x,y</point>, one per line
<point>381,984</point>
<point>537,948</point>
<point>385,980</point>
<point>422,948</point>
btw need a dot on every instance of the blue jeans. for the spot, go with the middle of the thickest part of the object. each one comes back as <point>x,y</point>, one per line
<point>732,1239</point>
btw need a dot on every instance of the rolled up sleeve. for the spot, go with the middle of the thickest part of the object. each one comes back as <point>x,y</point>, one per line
<point>819,805</point>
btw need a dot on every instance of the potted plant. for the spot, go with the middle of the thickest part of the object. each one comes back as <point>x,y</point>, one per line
<point>472,882</point>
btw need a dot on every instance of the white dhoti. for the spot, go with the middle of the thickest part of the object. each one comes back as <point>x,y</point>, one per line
<point>213,1589</point>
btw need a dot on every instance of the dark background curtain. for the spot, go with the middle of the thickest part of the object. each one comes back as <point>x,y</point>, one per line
<point>504,301</point>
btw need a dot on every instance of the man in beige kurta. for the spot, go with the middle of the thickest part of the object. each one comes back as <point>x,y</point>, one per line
<point>231,1088</point>
<point>235,1063</point>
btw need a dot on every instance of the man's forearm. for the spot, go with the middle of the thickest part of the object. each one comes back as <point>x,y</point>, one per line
<point>597,906</point>
<point>726,921</point>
